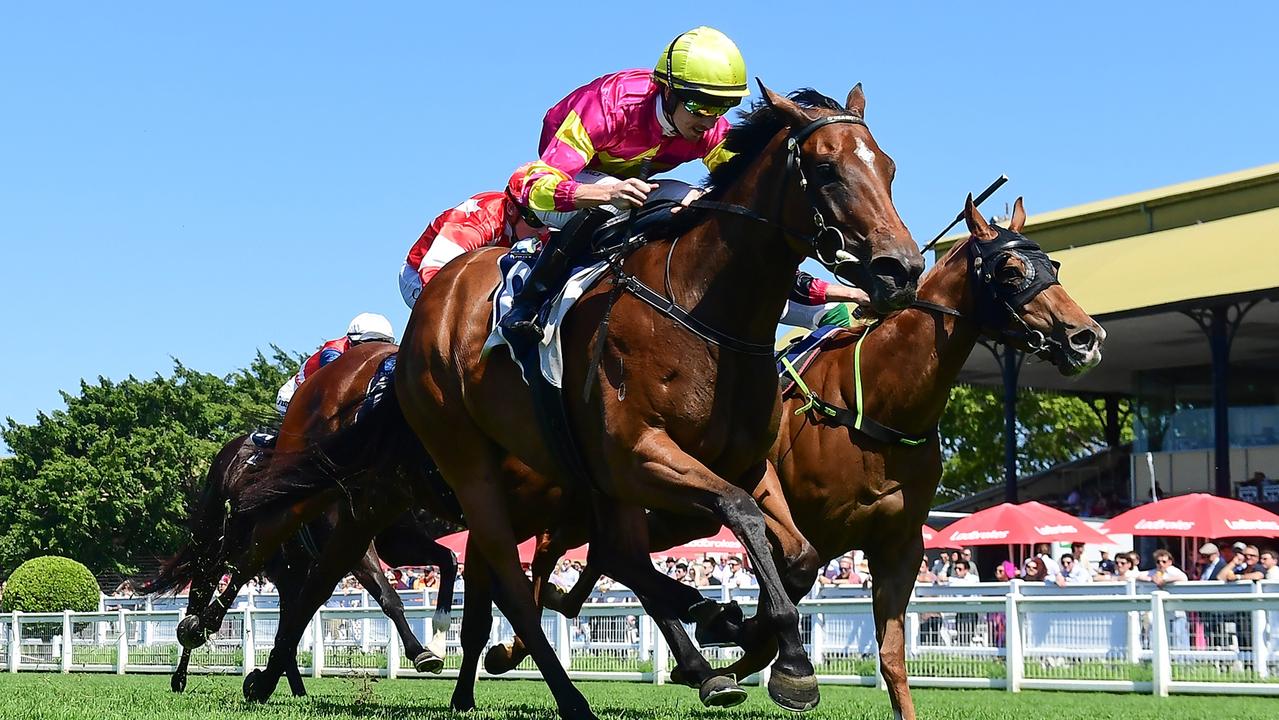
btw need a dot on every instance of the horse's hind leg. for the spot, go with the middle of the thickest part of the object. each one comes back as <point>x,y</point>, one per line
<point>341,552</point>
<point>368,572</point>
<point>442,619</point>
<point>476,480</point>
<point>502,657</point>
<point>477,622</point>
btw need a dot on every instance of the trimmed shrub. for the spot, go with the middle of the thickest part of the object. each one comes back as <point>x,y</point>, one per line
<point>50,584</point>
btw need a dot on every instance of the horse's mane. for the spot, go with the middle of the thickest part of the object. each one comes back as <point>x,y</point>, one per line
<point>757,126</point>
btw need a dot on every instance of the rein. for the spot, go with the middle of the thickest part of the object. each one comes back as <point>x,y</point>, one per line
<point>666,305</point>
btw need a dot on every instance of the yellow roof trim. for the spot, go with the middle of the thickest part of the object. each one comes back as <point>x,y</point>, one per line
<point>1223,257</point>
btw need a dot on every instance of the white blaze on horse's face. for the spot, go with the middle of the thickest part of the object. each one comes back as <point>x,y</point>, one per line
<point>865,154</point>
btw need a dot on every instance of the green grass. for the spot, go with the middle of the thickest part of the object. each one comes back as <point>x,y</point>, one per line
<point>40,696</point>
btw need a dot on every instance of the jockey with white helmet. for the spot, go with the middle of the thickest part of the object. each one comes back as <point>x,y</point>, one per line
<point>365,327</point>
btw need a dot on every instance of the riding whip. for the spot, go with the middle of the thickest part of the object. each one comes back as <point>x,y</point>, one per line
<point>977,201</point>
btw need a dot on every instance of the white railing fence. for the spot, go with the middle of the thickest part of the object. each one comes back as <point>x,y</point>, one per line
<point>1179,642</point>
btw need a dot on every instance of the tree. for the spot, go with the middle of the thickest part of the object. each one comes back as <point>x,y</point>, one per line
<point>1051,428</point>
<point>107,481</point>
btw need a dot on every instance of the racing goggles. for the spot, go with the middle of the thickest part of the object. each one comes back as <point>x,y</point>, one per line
<point>706,110</point>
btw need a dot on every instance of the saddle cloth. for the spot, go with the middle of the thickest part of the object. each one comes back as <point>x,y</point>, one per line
<point>801,353</point>
<point>515,266</point>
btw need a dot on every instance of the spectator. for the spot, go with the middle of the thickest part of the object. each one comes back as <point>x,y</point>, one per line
<point>925,576</point>
<point>670,567</point>
<point>1236,552</point>
<point>1270,561</point>
<point>963,575</point>
<point>681,572</point>
<point>1035,570</point>
<point>863,569</point>
<point>1164,573</point>
<point>1069,572</point>
<point>967,556</point>
<point>1135,560</point>
<point>707,577</point>
<point>1124,569</point>
<point>1105,566</point>
<point>1250,569</point>
<point>1211,560</point>
<point>845,577</point>
<point>1078,552</point>
<point>1005,571</point>
<point>124,589</point>
<point>736,576</point>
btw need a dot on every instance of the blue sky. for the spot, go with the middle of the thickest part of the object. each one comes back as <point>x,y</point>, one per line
<point>200,181</point>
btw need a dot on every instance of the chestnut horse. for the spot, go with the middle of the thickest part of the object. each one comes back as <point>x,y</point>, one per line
<point>845,490</point>
<point>676,420</point>
<point>223,539</point>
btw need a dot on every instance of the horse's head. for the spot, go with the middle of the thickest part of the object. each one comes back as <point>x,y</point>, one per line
<point>1019,299</point>
<point>839,182</point>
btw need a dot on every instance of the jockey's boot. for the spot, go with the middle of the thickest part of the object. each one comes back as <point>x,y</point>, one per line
<point>548,274</point>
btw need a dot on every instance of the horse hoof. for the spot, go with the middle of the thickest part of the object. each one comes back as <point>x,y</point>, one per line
<point>723,629</point>
<point>721,691</point>
<point>191,633</point>
<point>178,683</point>
<point>462,704</point>
<point>428,662</point>
<point>797,694</point>
<point>249,688</point>
<point>498,660</point>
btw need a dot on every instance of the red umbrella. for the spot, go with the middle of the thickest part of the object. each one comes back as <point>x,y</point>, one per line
<point>1009,524</point>
<point>722,542</point>
<point>929,534</point>
<point>1196,515</point>
<point>457,543</point>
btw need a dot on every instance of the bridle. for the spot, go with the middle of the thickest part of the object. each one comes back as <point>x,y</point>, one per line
<point>998,306</point>
<point>837,256</point>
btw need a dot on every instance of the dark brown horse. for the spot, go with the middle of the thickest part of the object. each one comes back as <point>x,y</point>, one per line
<point>221,541</point>
<point>674,421</point>
<point>845,490</point>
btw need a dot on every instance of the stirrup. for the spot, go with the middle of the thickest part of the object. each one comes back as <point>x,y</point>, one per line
<point>528,329</point>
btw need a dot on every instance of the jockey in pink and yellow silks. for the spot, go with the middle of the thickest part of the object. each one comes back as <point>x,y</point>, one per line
<point>599,144</point>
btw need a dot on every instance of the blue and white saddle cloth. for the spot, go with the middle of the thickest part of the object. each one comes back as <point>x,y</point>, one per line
<point>515,266</point>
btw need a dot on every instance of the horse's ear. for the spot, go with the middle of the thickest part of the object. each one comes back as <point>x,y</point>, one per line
<point>856,102</point>
<point>789,109</point>
<point>1019,217</point>
<point>976,223</point>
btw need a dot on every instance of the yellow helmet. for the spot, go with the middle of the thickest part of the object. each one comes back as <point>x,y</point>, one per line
<point>703,61</point>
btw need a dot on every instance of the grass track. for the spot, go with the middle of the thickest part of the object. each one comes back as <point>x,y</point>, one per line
<point>107,697</point>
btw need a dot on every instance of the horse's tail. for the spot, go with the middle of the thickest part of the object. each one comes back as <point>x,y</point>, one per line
<point>379,444</point>
<point>208,525</point>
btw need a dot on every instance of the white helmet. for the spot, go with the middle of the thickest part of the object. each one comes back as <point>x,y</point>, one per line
<point>370,327</point>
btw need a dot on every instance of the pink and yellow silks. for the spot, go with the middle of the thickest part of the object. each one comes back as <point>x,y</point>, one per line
<point>612,125</point>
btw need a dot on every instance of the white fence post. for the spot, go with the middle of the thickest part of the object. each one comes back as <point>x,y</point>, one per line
<point>1161,663</point>
<point>366,625</point>
<point>317,643</point>
<point>1260,653</point>
<point>660,656</point>
<point>1134,627</point>
<point>563,644</point>
<point>66,642</point>
<point>819,638</point>
<point>148,624</point>
<point>646,637</point>
<point>246,641</point>
<point>15,642</point>
<point>121,643</point>
<point>1014,653</point>
<point>392,655</point>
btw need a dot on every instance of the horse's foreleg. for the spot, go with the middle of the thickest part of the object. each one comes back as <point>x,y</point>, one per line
<point>178,681</point>
<point>665,477</point>
<point>894,572</point>
<point>440,556</point>
<point>501,657</point>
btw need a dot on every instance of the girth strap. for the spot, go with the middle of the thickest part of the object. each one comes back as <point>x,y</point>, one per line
<point>667,307</point>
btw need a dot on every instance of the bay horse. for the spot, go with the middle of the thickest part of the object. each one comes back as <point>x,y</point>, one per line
<point>844,489</point>
<point>220,541</point>
<point>765,153</point>
<point>675,420</point>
